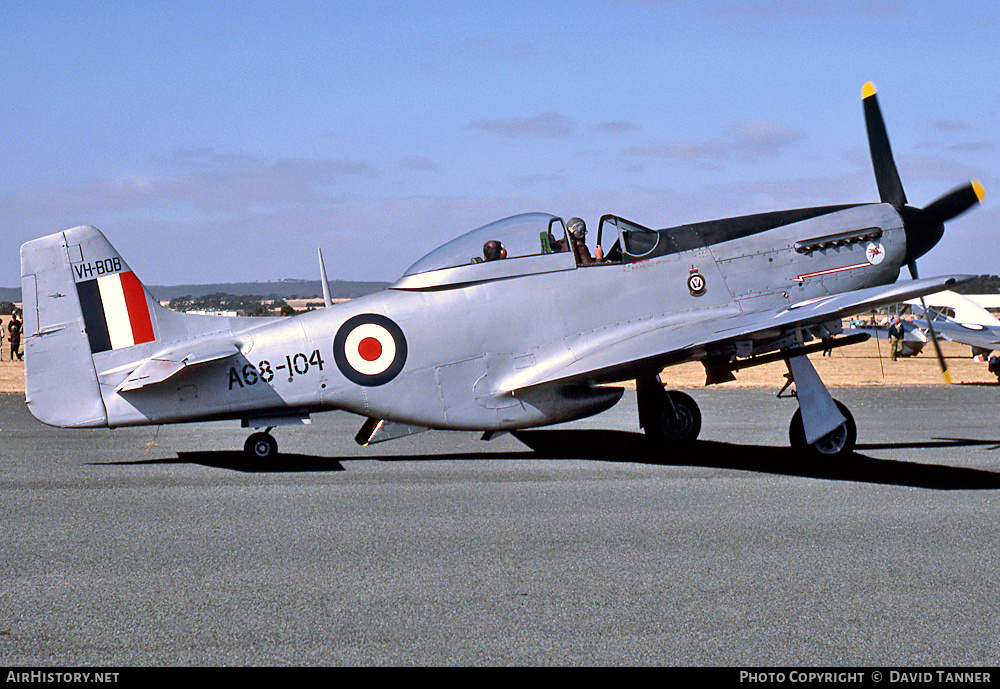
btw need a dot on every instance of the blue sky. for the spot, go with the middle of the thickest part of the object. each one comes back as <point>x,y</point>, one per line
<point>225,141</point>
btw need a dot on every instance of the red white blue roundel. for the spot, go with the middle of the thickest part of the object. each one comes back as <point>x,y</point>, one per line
<point>369,349</point>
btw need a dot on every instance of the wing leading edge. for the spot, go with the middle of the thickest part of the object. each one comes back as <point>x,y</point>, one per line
<point>660,342</point>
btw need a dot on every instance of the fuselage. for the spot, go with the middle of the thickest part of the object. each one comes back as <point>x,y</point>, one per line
<point>461,346</point>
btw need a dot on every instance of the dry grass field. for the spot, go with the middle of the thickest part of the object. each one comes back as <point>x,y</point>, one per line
<point>862,364</point>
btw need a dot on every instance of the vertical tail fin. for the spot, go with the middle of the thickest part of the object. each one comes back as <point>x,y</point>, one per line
<point>80,300</point>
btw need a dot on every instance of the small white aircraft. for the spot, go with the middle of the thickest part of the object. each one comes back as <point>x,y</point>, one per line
<point>958,319</point>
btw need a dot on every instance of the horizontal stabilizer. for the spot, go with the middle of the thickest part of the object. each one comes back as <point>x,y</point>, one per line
<point>165,365</point>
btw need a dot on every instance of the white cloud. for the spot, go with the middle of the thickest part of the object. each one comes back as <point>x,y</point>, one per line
<point>419,163</point>
<point>549,124</point>
<point>748,140</point>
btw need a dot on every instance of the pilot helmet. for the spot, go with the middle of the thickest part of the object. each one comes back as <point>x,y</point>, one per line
<point>577,228</point>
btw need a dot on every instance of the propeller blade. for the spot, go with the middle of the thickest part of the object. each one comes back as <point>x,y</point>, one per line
<point>953,204</point>
<point>937,347</point>
<point>925,226</point>
<point>912,265</point>
<point>890,188</point>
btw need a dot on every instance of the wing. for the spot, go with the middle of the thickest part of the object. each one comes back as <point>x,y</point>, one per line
<point>969,324</point>
<point>622,353</point>
<point>981,336</point>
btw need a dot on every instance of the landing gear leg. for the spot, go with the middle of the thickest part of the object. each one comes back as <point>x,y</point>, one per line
<point>667,414</point>
<point>261,445</point>
<point>822,426</point>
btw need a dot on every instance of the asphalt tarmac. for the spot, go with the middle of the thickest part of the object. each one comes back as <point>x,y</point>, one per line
<point>579,545</point>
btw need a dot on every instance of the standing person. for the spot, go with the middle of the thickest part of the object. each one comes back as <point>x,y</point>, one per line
<point>895,339</point>
<point>14,333</point>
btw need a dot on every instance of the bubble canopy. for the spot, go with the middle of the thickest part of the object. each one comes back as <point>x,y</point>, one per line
<point>529,234</point>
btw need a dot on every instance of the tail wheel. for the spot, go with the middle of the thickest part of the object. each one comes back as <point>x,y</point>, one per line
<point>261,446</point>
<point>679,420</point>
<point>838,443</point>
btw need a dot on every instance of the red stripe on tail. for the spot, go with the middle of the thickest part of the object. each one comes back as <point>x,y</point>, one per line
<point>138,309</point>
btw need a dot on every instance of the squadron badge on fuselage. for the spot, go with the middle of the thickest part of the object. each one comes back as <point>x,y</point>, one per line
<point>875,253</point>
<point>696,283</point>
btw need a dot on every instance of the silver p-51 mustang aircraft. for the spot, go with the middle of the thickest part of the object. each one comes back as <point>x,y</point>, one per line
<point>530,339</point>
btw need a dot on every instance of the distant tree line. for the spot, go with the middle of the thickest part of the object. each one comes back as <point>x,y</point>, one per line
<point>243,305</point>
<point>984,284</point>
<point>282,289</point>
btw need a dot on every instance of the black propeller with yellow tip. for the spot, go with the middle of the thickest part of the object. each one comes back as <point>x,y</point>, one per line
<point>924,227</point>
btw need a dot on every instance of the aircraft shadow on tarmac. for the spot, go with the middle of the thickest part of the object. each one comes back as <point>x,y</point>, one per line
<point>237,461</point>
<point>623,446</point>
<point>635,448</point>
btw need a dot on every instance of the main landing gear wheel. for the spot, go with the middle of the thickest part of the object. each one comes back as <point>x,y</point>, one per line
<point>836,444</point>
<point>261,446</point>
<point>679,420</point>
